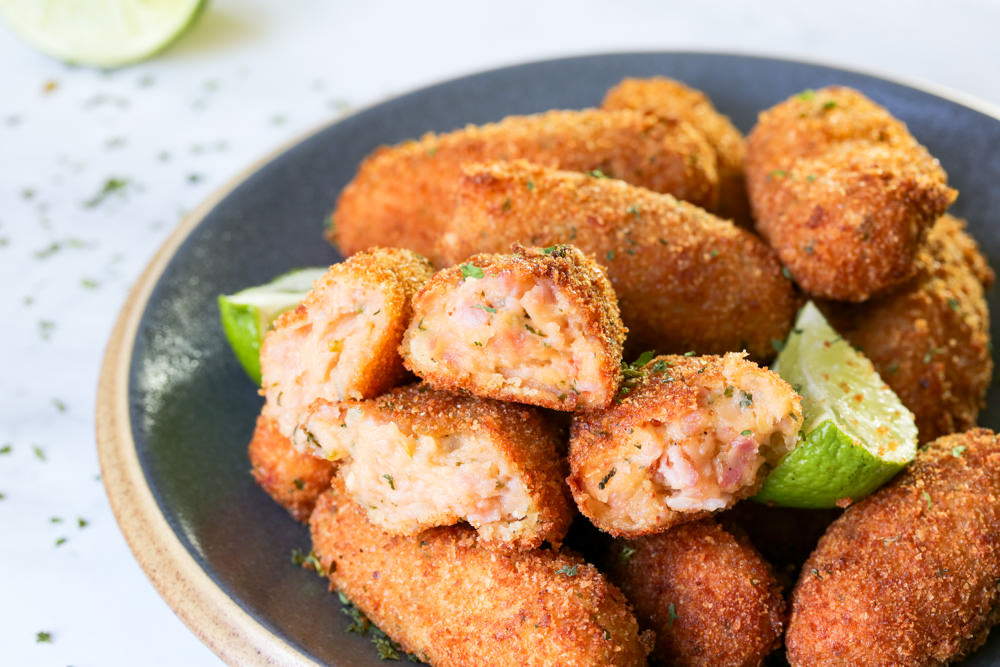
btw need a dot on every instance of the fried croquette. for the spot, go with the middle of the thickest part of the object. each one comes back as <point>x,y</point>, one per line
<point>417,457</point>
<point>292,478</point>
<point>709,597</point>
<point>539,326</point>
<point>342,341</point>
<point>690,436</point>
<point>930,338</point>
<point>685,279</point>
<point>908,576</point>
<point>672,99</point>
<point>450,602</point>
<point>402,195</point>
<point>843,192</point>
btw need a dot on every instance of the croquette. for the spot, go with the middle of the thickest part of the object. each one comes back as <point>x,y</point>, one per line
<point>417,457</point>
<point>450,602</point>
<point>668,98</point>
<point>292,478</point>
<point>685,279</point>
<point>843,192</point>
<point>402,195</point>
<point>539,326</point>
<point>706,593</point>
<point>688,436</point>
<point>342,341</point>
<point>907,576</point>
<point>930,338</point>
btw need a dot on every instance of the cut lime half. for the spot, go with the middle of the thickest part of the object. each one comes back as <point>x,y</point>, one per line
<point>248,314</point>
<point>102,33</point>
<point>856,434</point>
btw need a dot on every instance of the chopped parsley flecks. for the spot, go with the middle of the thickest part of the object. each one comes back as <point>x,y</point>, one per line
<point>308,561</point>
<point>58,405</point>
<point>953,304</point>
<point>384,646</point>
<point>596,173</point>
<point>728,391</point>
<point>45,328</point>
<point>568,571</point>
<point>43,637</point>
<point>299,484</point>
<point>472,271</point>
<point>530,185</point>
<point>777,173</point>
<point>609,255</point>
<point>607,478</point>
<point>626,553</point>
<point>806,95</point>
<point>534,330</point>
<point>957,451</point>
<point>488,309</point>
<point>746,432</point>
<point>746,399</point>
<point>39,452</point>
<point>392,482</point>
<point>829,104</point>
<point>61,541</point>
<point>785,272</point>
<point>5,449</point>
<point>633,210</point>
<point>89,283</point>
<point>690,353</point>
<point>661,366</point>
<point>927,498</point>
<point>111,186</point>
<point>506,204</point>
<point>893,367</point>
<point>81,522</point>
<point>673,615</point>
<point>777,344</point>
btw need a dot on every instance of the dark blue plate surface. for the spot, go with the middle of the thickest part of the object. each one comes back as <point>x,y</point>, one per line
<point>193,408</point>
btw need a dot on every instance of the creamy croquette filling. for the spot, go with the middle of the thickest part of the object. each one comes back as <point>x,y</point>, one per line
<point>319,356</point>
<point>405,479</point>
<point>700,461</point>
<point>527,328</point>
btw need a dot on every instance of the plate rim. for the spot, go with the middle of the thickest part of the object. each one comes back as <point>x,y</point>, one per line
<point>227,629</point>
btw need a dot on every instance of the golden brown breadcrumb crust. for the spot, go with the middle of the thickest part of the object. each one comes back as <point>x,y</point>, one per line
<point>909,575</point>
<point>523,435</point>
<point>576,277</point>
<point>450,602</point>
<point>397,274</point>
<point>402,195</point>
<point>842,191</point>
<point>668,388</point>
<point>706,593</point>
<point>672,99</point>
<point>930,338</point>
<point>685,279</point>
<point>293,478</point>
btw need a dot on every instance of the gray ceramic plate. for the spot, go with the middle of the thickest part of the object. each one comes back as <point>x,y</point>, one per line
<point>176,411</point>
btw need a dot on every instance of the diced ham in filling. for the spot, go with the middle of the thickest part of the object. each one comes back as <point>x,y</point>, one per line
<point>513,334</point>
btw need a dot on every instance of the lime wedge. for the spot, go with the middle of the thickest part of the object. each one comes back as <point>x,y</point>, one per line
<point>856,434</point>
<point>248,314</point>
<point>103,33</point>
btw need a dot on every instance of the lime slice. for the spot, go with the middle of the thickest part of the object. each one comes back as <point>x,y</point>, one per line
<point>248,314</point>
<point>856,434</point>
<point>103,33</point>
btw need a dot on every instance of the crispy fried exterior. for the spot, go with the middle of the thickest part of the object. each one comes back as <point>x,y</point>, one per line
<point>909,575</point>
<point>685,279</point>
<point>450,602</point>
<point>293,478</point>
<point>930,338</point>
<point>394,272</point>
<point>576,277</point>
<point>668,389</point>
<point>706,593</point>
<point>842,191</point>
<point>523,435</point>
<point>668,98</point>
<point>402,194</point>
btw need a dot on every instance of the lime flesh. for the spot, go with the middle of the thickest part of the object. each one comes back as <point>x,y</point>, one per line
<point>856,434</point>
<point>248,314</point>
<point>102,33</point>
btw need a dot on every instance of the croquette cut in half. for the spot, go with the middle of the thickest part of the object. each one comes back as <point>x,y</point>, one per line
<point>685,279</point>
<point>706,593</point>
<point>908,576</point>
<point>930,338</point>
<point>668,98</point>
<point>342,341</point>
<point>450,602</point>
<point>691,436</point>
<point>293,478</point>
<point>843,192</point>
<point>417,457</point>
<point>539,326</point>
<point>402,195</point>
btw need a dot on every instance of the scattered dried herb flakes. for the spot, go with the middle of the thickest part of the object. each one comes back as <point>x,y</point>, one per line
<point>58,405</point>
<point>43,637</point>
<point>111,186</point>
<point>39,452</point>
<point>6,449</point>
<point>45,328</point>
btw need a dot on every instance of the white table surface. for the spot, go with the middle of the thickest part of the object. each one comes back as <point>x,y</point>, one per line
<point>249,76</point>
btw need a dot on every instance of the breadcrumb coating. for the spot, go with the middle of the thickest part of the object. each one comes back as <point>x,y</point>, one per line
<point>909,575</point>
<point>688,436</point>
<point>292,478</point>
<point>573,324</point>
<point>685,279</point>
<point>450,602</point>
<point>843,192</point>
<point>463,442</point>
<point>930,337</point>
<point>330,346</point>
<point>402,195</point>
<point>706,593</point>
<point>672,99</point>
